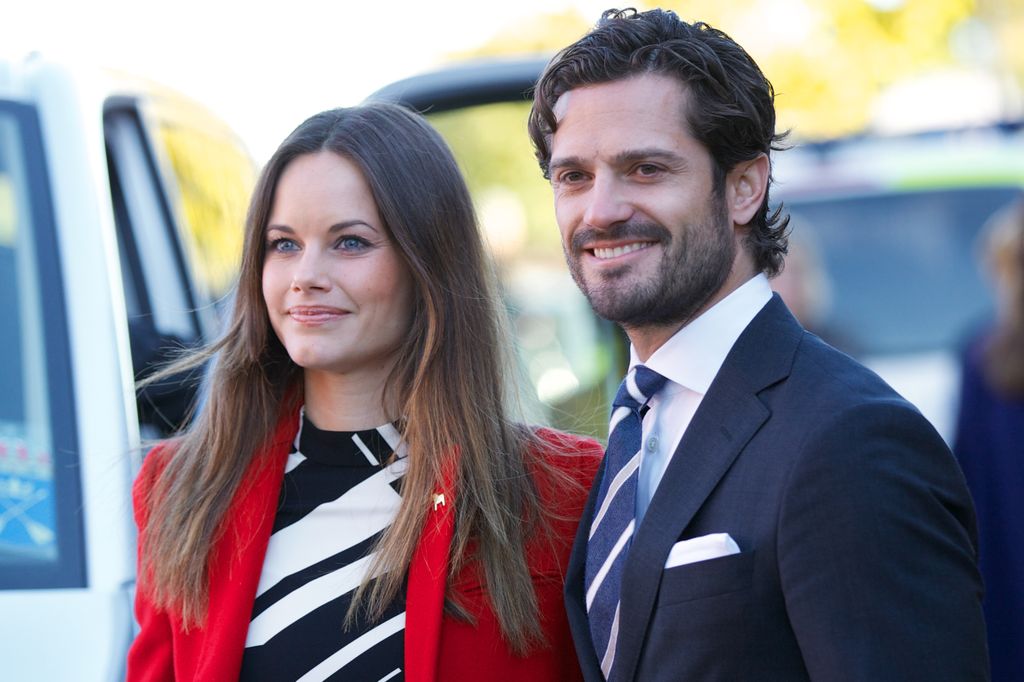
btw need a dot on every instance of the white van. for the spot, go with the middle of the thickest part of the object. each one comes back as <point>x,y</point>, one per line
<point>120,213</point>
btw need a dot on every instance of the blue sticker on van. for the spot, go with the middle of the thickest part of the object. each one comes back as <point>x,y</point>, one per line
<point>27,507</point>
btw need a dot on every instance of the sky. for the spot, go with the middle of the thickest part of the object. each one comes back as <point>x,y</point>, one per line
<point>264,67</point>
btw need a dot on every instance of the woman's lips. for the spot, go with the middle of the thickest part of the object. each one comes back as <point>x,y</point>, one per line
<point>315,314</point>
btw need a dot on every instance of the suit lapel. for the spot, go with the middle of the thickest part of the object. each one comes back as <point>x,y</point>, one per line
<point>728,417</point>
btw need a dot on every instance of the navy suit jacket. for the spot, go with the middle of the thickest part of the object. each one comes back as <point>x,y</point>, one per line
<point>856,533</point>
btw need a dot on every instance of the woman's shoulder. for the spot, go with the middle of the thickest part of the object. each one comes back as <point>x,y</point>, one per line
<point>153,464</point>
<point>564,468</point>
<point>572,454</point>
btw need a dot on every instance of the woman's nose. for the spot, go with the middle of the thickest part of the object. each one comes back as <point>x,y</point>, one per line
<point>310,273</point>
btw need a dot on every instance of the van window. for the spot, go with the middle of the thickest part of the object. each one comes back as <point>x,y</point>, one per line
<point>40,527</point>
<point>213,176</point>
<point>158,289</point>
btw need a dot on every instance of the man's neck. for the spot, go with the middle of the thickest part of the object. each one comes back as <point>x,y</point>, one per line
<point>647,339</point>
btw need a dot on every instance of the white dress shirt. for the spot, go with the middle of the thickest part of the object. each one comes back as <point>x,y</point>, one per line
<point>690,360</point>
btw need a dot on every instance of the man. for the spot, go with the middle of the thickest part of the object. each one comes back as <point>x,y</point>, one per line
<point>767,509</point>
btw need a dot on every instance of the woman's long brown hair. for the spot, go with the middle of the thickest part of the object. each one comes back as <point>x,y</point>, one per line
<point>449,381</point>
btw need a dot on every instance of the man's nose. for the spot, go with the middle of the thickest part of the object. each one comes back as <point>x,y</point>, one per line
<point>310,272</point>
<point>608,203</point>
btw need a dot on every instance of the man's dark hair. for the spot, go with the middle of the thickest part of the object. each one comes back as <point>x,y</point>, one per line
<point>731,104</point>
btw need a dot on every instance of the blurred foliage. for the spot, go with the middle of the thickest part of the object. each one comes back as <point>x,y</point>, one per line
<point>214,176</point>
<point>830,59</point>
<point>493,163</point>
<point>545,34</point>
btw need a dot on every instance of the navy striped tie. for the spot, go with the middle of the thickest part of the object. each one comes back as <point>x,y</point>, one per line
<point>612,528</point>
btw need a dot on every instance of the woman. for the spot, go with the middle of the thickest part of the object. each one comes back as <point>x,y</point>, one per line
<point>357,426</point>
<point>989,442</point>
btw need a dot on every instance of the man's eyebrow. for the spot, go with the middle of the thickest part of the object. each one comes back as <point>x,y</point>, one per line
<point>624,157</point>
<point>648,154</point>
<point>565,162</point>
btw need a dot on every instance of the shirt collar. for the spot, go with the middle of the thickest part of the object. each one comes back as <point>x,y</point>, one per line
<point>695,353</point>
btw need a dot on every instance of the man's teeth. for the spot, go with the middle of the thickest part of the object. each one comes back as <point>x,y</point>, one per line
<point>619,250</point>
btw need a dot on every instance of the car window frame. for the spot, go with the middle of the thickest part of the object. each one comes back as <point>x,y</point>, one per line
<point>127,139</point>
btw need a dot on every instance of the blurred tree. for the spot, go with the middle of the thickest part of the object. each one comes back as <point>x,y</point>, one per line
<point>512,199</point>
<point>545,34</point>
<point>828,59</point>
<point>215,178</point>
<point>1004,22</point>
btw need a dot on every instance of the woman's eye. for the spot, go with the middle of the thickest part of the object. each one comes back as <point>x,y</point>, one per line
<point>351,243</point>
<point>283,245</point>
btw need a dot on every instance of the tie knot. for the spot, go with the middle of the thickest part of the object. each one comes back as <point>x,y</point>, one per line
<point>638,387</point>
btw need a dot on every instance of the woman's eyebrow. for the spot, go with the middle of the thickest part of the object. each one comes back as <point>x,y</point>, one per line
<point>337,227</point>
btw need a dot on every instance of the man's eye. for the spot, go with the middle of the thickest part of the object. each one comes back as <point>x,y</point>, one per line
<point>647,169</point>
<point>571,176</point>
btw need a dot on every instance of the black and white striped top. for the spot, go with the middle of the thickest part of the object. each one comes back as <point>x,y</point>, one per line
<point>336,500</point>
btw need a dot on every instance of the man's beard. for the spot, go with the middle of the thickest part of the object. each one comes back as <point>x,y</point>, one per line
<point>694,266</point>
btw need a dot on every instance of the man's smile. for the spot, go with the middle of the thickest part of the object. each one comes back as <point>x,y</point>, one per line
<point>606,253</point>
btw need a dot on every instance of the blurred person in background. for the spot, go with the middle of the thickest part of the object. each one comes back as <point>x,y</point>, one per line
<point>805,286</point>
<point>356,499</point>
<point>989,441</point>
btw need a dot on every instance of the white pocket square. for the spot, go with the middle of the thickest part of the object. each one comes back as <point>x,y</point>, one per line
<point>701,549</point>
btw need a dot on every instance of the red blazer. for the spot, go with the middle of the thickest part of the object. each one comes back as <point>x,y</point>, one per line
<point>437,647</point>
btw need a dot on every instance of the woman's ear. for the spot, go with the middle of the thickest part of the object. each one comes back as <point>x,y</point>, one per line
<point>746,185</point>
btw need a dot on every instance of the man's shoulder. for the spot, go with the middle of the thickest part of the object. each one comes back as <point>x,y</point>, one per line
<point>819,369</point>
<point>838,399</point>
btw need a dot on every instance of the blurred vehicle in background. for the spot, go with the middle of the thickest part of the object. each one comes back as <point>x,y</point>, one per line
<point>121,207</point>
<point>882,264</point>
<point>892,223</point>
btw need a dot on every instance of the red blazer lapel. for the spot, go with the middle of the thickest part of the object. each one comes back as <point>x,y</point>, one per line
<point>428,578</point>
<point>237,561</point>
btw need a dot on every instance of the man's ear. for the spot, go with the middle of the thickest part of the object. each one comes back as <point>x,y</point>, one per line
<point>745,187</point>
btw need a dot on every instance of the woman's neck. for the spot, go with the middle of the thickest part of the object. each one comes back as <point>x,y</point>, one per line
<point>345,402</point>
